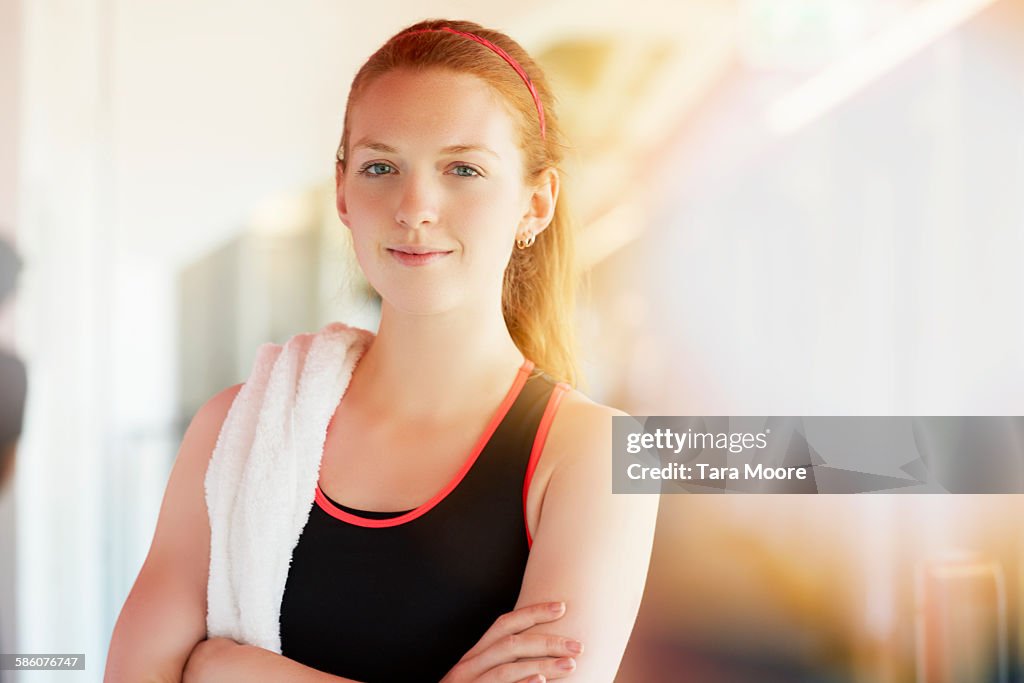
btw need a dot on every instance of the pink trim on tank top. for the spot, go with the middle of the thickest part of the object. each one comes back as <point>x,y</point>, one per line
<point>506,404</point>
<point>538,446</point>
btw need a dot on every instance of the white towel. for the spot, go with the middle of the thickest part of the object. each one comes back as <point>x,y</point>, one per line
<point>262,475</point>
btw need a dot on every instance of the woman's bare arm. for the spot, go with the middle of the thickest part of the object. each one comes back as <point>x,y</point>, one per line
<point>498,657</point>
<point>160,636</point>
<point>221,659</point>
<point>164,615</point>
<point>591,548</point>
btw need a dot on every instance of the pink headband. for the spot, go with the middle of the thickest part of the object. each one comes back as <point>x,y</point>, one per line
<point>501,53</point>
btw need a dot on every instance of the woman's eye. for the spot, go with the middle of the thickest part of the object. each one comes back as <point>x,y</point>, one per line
<point>375,169</point>
<point>472,171</point>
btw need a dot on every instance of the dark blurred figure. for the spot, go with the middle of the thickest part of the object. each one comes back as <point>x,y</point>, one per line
<point>13,380</point>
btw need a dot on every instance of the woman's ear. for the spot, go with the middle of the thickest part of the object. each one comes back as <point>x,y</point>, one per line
<point>540,210</point>
<point>339,193</point>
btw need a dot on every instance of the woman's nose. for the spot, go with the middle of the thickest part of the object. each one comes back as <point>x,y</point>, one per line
<point>418,204</point>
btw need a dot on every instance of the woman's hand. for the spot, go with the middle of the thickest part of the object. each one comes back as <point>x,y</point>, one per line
<point>505,656</point>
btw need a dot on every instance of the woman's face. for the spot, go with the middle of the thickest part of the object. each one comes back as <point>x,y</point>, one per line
<point>433,189</point>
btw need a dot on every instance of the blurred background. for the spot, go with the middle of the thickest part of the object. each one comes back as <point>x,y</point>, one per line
<point>787,207</point>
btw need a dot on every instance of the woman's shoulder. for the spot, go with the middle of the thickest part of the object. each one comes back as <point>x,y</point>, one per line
<point>335,342</point>
<point>583,408</point>
<point>208,420</point>
<point>219,403</point>
<point>581,427</point>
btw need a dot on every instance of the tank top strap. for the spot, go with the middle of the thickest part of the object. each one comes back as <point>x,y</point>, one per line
<point>501,474</point>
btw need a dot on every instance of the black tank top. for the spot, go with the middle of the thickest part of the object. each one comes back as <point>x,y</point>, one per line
<point>383,597</point>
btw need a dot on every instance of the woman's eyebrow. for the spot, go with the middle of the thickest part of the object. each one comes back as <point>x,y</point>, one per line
<point>375,146</point>
<point>451,149</point>
<point>457,149</point>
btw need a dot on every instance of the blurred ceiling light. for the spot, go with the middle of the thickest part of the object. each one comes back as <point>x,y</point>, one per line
<point>283,214</point>
<point>916,29</point>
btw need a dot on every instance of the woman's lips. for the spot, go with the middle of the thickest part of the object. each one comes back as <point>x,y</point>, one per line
<point>408,259</point>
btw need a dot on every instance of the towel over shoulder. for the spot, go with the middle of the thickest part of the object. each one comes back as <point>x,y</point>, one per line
<point>262,476</point>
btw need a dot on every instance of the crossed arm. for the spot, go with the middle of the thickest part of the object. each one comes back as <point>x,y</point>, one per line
<point>496,658</point>
<point>220,659</point>
<point>591,550</point>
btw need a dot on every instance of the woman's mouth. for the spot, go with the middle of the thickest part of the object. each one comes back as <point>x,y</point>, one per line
<point>417,258</point>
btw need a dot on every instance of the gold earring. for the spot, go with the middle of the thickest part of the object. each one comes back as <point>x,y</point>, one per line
<point>526,243</point>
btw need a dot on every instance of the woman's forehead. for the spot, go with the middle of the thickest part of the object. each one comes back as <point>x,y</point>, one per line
<point>431,110</point>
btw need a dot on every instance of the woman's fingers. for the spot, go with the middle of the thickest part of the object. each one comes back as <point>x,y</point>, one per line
<point>522,646</point>
<point>548,668</point>
<point>517,621</point>
<point>505,654</point>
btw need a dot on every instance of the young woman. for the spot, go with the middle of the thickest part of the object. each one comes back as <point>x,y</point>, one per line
<point>464,527</point>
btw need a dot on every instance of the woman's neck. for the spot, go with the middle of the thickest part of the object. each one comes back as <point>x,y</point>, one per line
<point>434,367</point>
